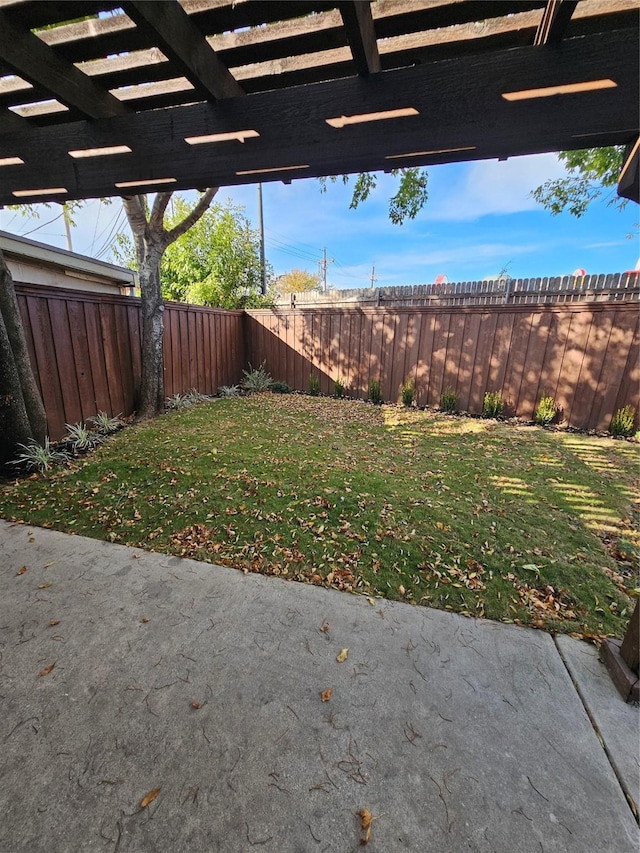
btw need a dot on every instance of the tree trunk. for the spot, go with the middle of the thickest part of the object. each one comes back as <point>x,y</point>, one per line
<point>14,423</point>
<point>152,381</point>
<point>15,333</point>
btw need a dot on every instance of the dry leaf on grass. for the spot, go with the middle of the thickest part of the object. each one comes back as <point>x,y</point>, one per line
<point>366,819</point>
<point>47,669</point>
<point>44,585</point>
<point>53,622</point>
<point>195,705</point>
<point>21,570</point>
<point>326,694</point>
<point>144,620</point>
<point>342,656</point>
<point>145,801</point>
<point>324,627</point>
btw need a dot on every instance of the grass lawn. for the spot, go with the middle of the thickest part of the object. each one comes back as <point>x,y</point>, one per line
<point>509,522</point>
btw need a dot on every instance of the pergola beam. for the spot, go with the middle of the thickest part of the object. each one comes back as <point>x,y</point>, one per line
<point>180,40</point>
<point>458,112</point>
<point>554,22</point>
<point>358,23</point>
<point>31,59</point>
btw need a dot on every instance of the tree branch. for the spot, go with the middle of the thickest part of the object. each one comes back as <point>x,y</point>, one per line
<point>157,211</point>
<point>134,207</point>
<point>201,207</point>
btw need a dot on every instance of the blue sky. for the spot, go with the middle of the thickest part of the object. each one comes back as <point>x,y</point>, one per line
<point>479,219</point>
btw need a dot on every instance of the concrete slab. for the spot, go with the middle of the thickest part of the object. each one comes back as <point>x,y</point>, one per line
<point>617,722</point>
<point>456,734</point>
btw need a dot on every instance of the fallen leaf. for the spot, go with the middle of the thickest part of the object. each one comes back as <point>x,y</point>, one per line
<point>144,619</point>
<point>371,602</point>
<point>44,585</point>
<point>366,817</point>
<point>402,590</point>
<point>324,627</point>
<point>326,694</point>
<point>195,705</point>
<point>46,565</point>
<point>145,801</point>
<point>342,656</point>
<point>47,669</point>
<point>21,570</point>
<point>53,622</point>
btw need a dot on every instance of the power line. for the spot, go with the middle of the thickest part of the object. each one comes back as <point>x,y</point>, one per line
<point>44,224</point>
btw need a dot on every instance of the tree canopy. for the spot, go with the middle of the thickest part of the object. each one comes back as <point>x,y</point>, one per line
<point>216,262</point>
<point>592,173</point>
<point>298,281</point>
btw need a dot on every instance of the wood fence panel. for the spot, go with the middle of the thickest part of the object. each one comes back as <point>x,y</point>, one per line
<point>65,362</point>
<point>82,359</point>
<point>111,355</point>
<point>46,366</point>
<point>584,354</point>
<point>97,359</point>
<point>123,339</point>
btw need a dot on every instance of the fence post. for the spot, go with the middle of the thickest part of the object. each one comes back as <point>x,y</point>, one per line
<point>622,659</point>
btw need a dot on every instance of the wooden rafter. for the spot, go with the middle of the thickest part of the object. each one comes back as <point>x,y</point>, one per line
<point>32,59</point>
<point>11,122</point>
<point>554,22</point>
<point>179,39</point>
<point>358,23</point>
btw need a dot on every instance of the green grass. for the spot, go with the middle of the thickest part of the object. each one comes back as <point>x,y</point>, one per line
<point>512,523</point>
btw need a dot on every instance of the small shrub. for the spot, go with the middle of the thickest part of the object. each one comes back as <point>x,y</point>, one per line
<point>80,438</point>
<point>41,458</point>
<point>280,387</point>
<point>256,380</point>
<point>178,401</point>
<point>448,400</point>
<point>546,411</point>
<point>229,390</point>
<point>339,387</point>
<point>623,422</point>
<point>493,405</point>
<point>194,396</point>
<point>314,384</point>
<point>375,393</point>
<point>106,425</point>
<point>407,392</point>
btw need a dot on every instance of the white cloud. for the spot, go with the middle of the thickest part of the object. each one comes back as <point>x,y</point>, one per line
<point>491,187</point>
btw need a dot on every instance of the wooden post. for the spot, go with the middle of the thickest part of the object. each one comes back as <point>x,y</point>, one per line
<point>622,659</point>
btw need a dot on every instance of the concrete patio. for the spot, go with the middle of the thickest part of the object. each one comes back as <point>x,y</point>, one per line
<point>123,672</point>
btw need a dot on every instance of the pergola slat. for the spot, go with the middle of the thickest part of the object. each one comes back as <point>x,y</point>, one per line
<point>554,22</point>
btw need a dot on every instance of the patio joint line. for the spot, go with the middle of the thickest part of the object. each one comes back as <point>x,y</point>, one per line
<point>627,795</point>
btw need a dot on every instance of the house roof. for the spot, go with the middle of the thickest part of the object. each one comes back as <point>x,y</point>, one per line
<point>102,98</point>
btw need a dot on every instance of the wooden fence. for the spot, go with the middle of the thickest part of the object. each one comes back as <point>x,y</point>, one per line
<point>85,348</point>
<point>584,355</point>
<point>615,287</point>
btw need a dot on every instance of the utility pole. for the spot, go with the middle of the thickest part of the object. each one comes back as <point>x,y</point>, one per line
<point>67,229</point>
<point>374,277</point>
<point>323,264</point>
<point>263,268</point>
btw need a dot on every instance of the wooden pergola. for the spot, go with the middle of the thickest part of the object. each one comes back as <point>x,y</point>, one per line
<point>101,98</point>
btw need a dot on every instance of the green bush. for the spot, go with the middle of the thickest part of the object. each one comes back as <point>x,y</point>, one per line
<point>375,393</point>
<point>80,438</point>
<point>546,411</point>
<point>256,380</point>
<point>493,405</point>
<point>280,387</point>
<point>448,400</point>
<point>229,390</point>
<point>41,458</point>
<point>623,422</point>
<point>407,392</point>
<point>106,425</point>
<point>339,387</point>
<point>314,384</point>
